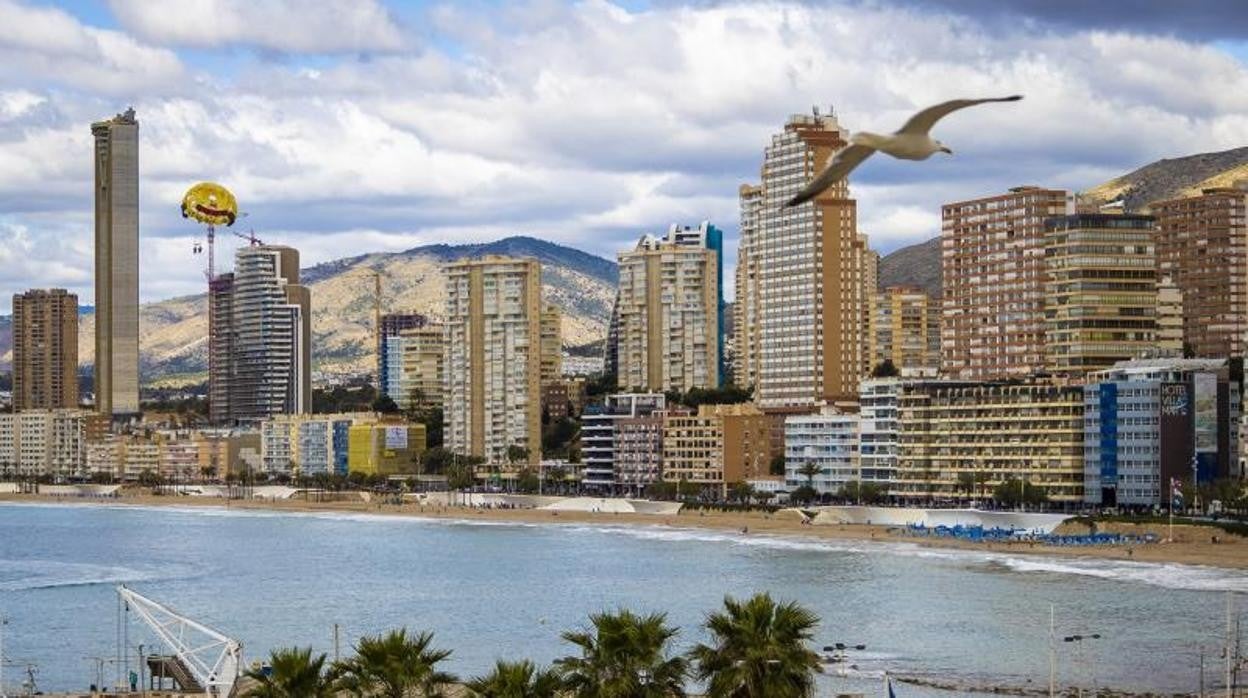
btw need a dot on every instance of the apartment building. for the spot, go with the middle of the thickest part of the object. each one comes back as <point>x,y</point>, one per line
<point>45,350</point>
<point>598,434</point>
<point>829,441</point>
<point>905,330</point>
<point>414,372</point>
<point>718,446</point>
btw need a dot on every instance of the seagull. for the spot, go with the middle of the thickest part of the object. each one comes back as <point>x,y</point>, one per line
<point>912,142</point>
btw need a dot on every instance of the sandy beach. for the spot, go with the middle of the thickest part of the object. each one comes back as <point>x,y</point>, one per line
<point>1192,545</point>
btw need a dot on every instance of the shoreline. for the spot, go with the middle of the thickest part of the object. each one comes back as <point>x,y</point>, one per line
<point>1192,545</point>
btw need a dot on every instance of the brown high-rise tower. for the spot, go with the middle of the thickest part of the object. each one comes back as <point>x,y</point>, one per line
<point>45,350</point>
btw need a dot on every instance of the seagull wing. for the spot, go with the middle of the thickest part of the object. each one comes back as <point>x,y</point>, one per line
<point>844,162</point>
<point>921,123</point>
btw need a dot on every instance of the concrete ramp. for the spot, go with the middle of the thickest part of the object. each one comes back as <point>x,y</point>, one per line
<point>895,516</point>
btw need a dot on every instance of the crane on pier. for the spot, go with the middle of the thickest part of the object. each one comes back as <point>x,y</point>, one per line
<point>204,660</point>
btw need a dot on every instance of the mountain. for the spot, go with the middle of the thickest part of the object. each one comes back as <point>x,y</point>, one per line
<point>916,265</point>
<point>1172,178</point>
<point>173,333</point>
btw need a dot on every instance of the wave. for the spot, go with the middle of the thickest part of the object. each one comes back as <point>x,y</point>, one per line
<point>1167,575</point>
<point>30,575</point>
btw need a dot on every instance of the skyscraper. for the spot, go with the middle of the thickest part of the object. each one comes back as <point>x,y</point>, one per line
<point>1202,245</point>
<point>670,310</point>
<point>45,350</point>
<point>552,344</point>
<point>493,357</point>
<point>745,306</point>
<point>391,325</point>
<point>992,271</point>
<point>1100,302</point>
<point>905,329</point>
<point>263,319</point>
<point>807,267</point>
<point>414,367</point>
<point>117,264</point>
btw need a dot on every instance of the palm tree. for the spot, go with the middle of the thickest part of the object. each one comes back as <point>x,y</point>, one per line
<point>295,674</point>
<point>760,650</point>
<point>625,655</point>
<point>394,665</point>
<point>516,680</point>
<point>809,471</point>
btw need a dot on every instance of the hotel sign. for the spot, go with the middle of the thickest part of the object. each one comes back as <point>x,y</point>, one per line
<point>1174,400</point>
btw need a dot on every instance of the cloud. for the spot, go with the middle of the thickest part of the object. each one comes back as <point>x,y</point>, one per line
<point>328,26</point>
<point>584,124</point>
<point>42,46</point>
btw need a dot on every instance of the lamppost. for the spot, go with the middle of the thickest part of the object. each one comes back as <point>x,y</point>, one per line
<point>1078,640</point>
<point>3,622</point>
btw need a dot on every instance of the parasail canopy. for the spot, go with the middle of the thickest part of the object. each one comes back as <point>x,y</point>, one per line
<point>210,203</point>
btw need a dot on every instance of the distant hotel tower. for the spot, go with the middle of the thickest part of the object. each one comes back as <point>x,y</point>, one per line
<point>807,276</point>
<point>260,338</point>
<point>493,360</point>
<point>670,332</point>
<point>992,253</point>
<point>45,350</point>
<point>117,264</point>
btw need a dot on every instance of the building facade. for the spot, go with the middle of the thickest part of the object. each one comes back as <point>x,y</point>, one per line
<point>1202,245</point>
<point>45,350</point>
<point>48,443</point>
<point>905,330</point>
<point>670,305</point>
<point>745,306</point>
<point>493,357</point>
<point>268,333</point>
<point>391,326</point>
<point>638,461</point>
<point>552,344</point>
<point>959,441</point>
<point>1100,304</point>
<point>829,441</point>
<point>804,279</point>
<point>992,278</point>
<point>598,424</point>
<point>309,444</point>
<point>117,264</point>
<point>716,447</point>
<point>386,449</point>
<point>414,372</point>
<point>1147,422</point>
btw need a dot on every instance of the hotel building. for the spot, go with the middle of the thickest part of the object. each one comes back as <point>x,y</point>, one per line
<point>45,350</point>
<point>670,307</point>
<point>1202,246</point>
<point>993,276</point>
<point>493,357</point>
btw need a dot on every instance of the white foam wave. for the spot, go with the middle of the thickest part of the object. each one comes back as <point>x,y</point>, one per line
<point>28,575</point>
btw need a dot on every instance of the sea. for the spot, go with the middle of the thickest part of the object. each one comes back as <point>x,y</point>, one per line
<point>964,619</point>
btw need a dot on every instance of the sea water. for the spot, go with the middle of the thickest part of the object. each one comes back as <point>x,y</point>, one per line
<point>492,590</point>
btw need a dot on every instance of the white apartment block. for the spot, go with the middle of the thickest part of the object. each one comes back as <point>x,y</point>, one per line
<point>829,441</point>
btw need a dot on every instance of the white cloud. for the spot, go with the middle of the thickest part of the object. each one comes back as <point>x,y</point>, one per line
<point>41,46</point>
<point>327,26</point>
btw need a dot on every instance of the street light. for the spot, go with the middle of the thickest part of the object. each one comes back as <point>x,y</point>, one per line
<point>1079,640</point>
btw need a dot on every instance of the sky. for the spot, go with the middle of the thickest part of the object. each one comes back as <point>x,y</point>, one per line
<point>352,126</point>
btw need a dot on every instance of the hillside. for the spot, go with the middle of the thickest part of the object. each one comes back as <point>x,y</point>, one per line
<point>916,265</point>
<point>1172,178</point>
<point>173,333</point>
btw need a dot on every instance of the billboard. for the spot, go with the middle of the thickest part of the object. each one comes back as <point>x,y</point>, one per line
<point>1205,412</point>
<point>396,438</point>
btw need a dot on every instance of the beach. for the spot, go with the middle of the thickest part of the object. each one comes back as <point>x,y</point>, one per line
<point>1192,545</point>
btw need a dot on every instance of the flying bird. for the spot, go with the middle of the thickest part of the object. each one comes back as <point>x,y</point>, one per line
<point>912,142</point>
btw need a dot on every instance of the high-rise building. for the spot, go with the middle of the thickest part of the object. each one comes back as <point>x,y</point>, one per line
<point>670,307</point>
<point>117,264</point>
<point>745,306</point>
<point>45,350</point>
<point>414,367</point>
<point>552,344</point>
<point>807,264</point>
<point>868,287</point>
<point>392,324</point>
<point>598,432</point>
<point>1169,319</point>
<point>1202,245</point>
<point>992,276</point>
<point>1100,302</point>
<point>263,316</point>
<point>493,357</point>
<point>1149,421</point>
<point>905,329</point>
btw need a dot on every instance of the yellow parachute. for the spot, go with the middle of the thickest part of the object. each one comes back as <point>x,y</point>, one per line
<point>210,203</point>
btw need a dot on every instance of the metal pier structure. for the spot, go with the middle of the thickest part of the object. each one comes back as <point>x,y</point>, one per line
<point>200,660</point>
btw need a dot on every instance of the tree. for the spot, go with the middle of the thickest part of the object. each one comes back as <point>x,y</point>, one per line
<point>435,460</point>
<point>661,490</point>
<point>459,477</point>
<point>516,680</point>
<point>809,471</point>
<point>295,674</point>
<point>777,465</point>
<point>395,665</point>
<point>741,492</point>
<point>1012,492</point>
<point>624,655</point>
<point>527,481</point>
<point>885,369</point>
<point>556,475</point>
<point>515,454</point>
<point>760,650</point>
<point>861,492</point>
<point>385,405</point>
<point>804,495</point>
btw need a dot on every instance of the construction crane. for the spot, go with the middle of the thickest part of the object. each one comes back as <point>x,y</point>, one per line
<point>249,236</point>
<point>377,326</point>
<point>204,661</point>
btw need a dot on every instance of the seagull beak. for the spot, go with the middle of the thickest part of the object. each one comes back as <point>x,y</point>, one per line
<point>943,149</point>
